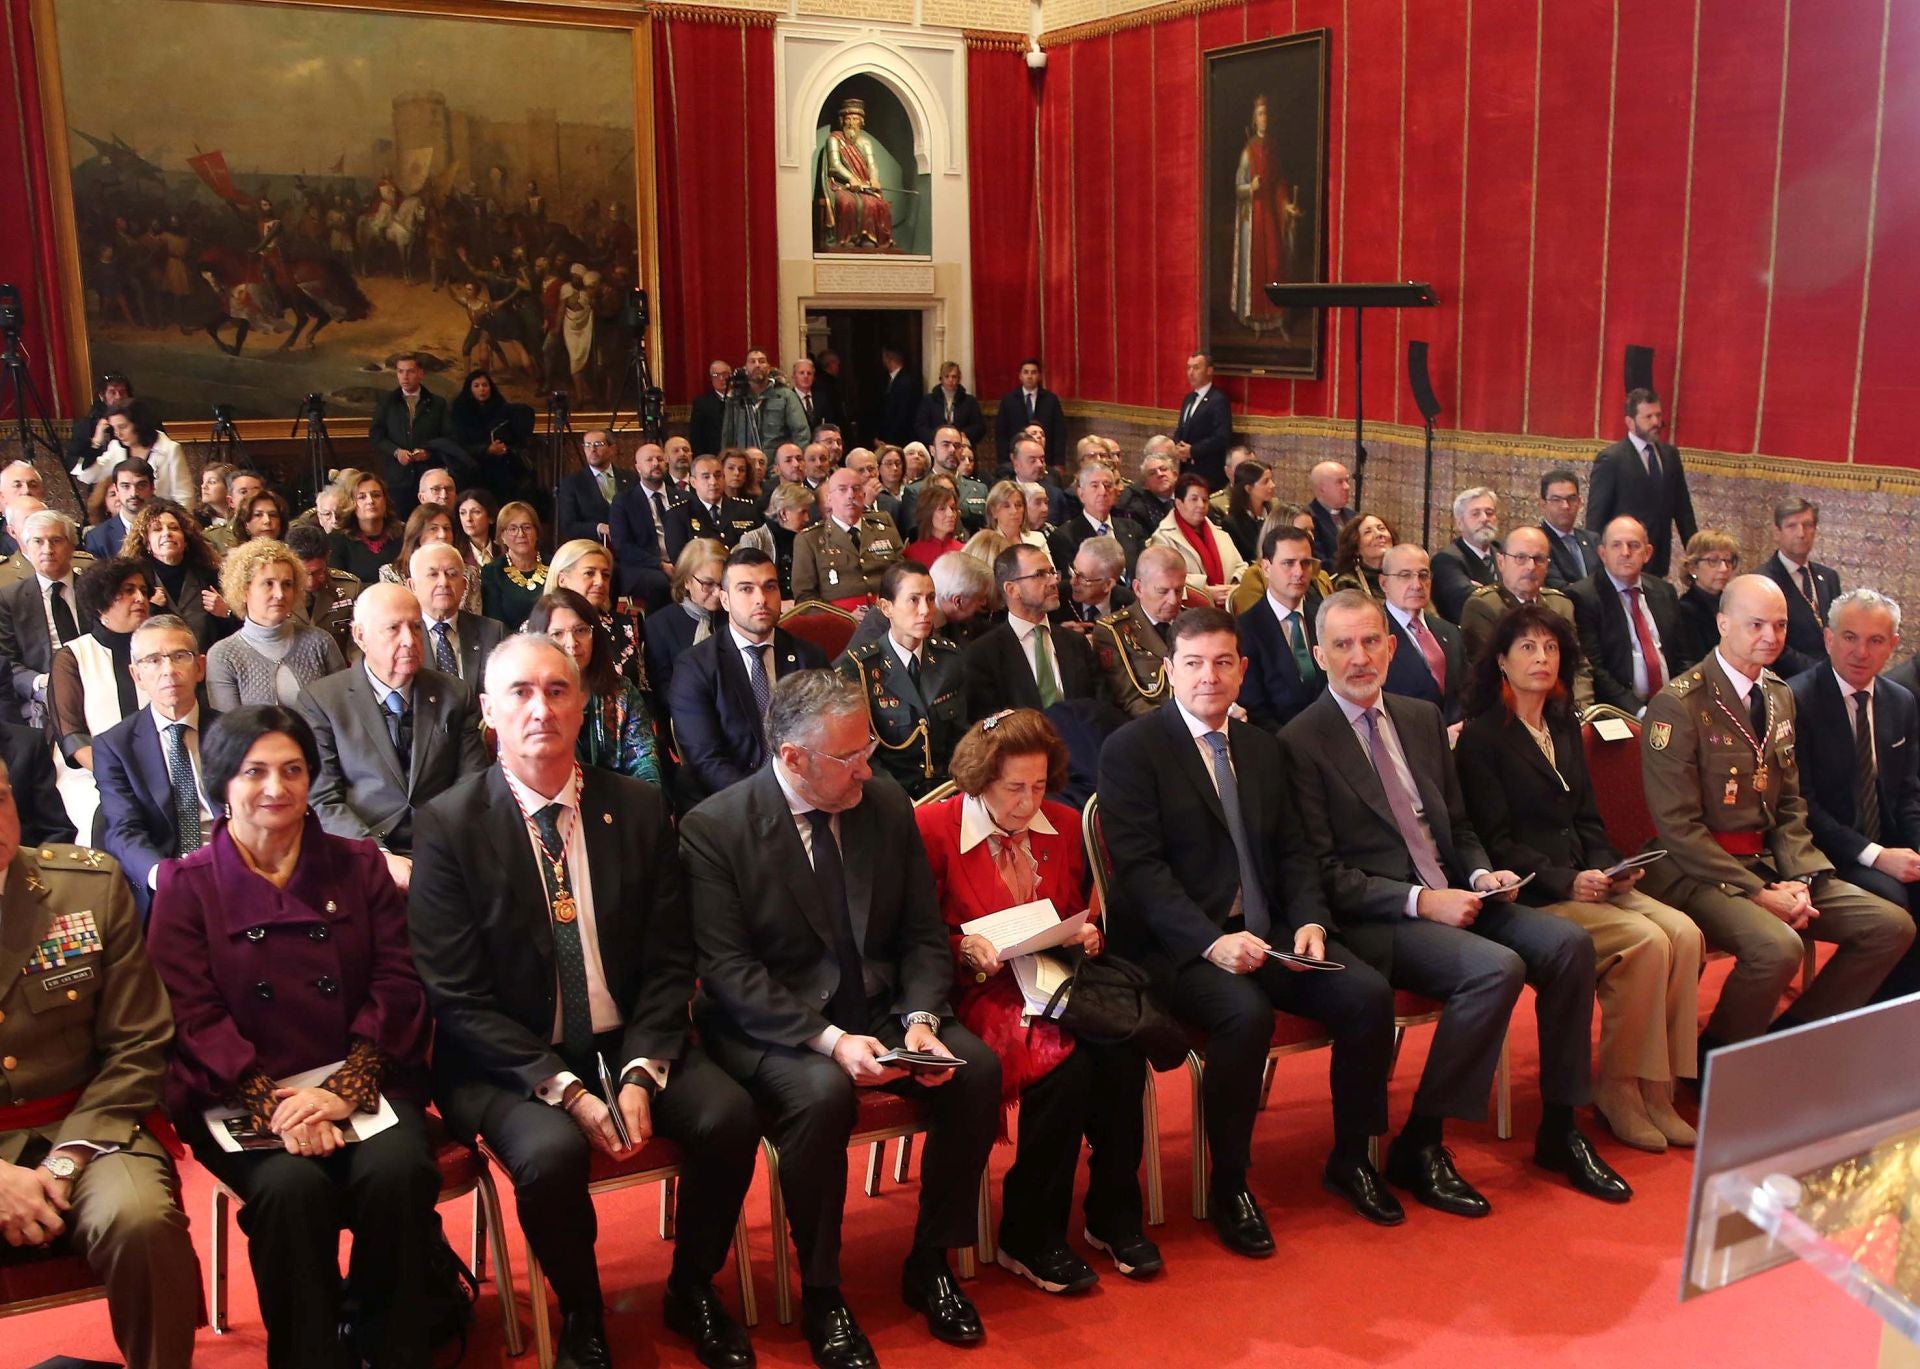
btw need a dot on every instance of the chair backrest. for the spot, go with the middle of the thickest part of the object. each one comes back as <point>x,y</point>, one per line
<point>945,790</point>
<point>1098,864</point>
<point>1614,767</point>
<point>1193,598</point>
<point>821,623</point>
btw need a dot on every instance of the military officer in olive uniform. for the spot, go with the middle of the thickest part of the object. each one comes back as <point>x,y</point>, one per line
<point>1133,657</point>
<point>1723,787</point>
<point>915,683</point>
<point>17,568</point>
<point>845,554</point>
<point>1521,567</point>
<point>330,592</point>
<point>84,1030</point>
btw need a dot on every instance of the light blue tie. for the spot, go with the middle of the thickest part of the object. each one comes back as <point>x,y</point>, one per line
<point>1253,903</point>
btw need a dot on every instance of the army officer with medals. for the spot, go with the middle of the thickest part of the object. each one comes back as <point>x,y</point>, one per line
<point>844,555</point>
<point>1723,787</point>
<point>915,686</point>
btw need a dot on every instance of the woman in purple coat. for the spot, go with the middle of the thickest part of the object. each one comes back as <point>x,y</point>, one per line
<point>285,951</point>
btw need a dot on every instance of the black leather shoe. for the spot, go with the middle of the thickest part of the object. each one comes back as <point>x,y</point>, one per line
<point>1361,1185</point>
<point>583,1342</point>
<point>1571,1153</point>
<point>1058,1270</point>
<point>1241,1224</point>
<point>836,1339</point>
<point>1428,1173</point>
<point>1133,1255</point>
<point>936,1295</point>
<point>719,1341</point>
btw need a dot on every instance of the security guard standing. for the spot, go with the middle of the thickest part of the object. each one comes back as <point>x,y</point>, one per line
<point>914,681</point>
<point>845,554</point>
<point>84,1030</point>
<point>1723,788</point>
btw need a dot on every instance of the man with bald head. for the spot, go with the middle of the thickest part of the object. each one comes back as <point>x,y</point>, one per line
<point>1331,506</point>
<point>1723,785</point>
<point>458,642</point>
<point>1629,621</point>
<point>1429,660</point>
<point>392,732</point>
<point>1522,564</point>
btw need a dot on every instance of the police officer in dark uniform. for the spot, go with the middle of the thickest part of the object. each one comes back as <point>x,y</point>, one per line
<point>914,681</point>
<point>848,553</point>
<point>709,513</point>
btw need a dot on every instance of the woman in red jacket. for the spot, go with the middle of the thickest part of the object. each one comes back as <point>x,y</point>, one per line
<point>997,844</point>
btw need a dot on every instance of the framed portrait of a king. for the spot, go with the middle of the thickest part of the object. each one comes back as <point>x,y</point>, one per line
<point>1263,202</point>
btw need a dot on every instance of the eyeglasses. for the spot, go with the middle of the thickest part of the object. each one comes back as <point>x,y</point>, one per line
<point>182,658</point>
<point>1421,575</point>
<point>1524,559</point>
<point>1563,499</point>
<point>1723,562</point>
<point>1080,579</point>
<point>704,582</point>
<point>865,753</point>
<point>1038,575</point>
<point>596,444</point>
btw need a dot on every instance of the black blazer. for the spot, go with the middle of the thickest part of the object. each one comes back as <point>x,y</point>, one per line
<point>207,629</point>
<point>1347,823</point>
<point>1012,417</point>
<point>710,700</point>
<point>1531,815</point>
<point>1806,636</point>
<point>1906,675</point>
<point>1176,873</point>
<point>690,519</point>
<point>1408,675</point>
<point>1326,531</point>
<point>136,823</point>
<point>998,675</point>
<point>1827,764</point>
<point>479,635</point>
<point>1457,573</point>
<point>583,508</point>
<point>1620,485</point>
<point>1272,691</point>
<point>706,419</point>
<point>391,430</point>
<point>763,932</point>
<point>666,633</point>
<point>1562,571</point>
<point>899,407</point>
<point>43,816</point>
<point>1606,638</point>
<point>1700,620</point>
<point>636,545</point>
<point>1208,428</point>
<point>26,646</point>
<point>817,407</point>
<point>932,416</point>
<point>483,941</point>
<point>1065,540</point>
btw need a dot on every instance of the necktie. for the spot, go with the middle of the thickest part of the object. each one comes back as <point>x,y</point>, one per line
<point>400,730</point>
<point>847,1009</point>
<point>443,651</point>
<point>1013,858</point>
<point>1643,630</point>
<point>1253,901</point>
<point>186,797</point>
<point>1043,674</point>
<point>606,484</point>
<point>1186,410</point>
<point>806,402</point>
<point>1400,798</point>
<point>1431,649</point>
<point>1757,711</point>
<point>64,627</point>
<point>1866,782</point>
<point>913,672</point>
<point>1296,631</point>
<point>1579,556</point>
<point>1029,406</point>
<point>757,677</point>
<point>1653,461</point>
<point>569,953</point>
<point>659,510</point>
<point>413,403</point>
<point>1101,529</point>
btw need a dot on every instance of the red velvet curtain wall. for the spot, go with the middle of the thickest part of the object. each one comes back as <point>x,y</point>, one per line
<point>719,235</point>
<point>1003,227</point>
<point>1570,180</point>
<point>27,254</point>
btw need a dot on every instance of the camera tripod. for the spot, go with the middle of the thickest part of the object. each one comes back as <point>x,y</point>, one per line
<point>33,427</point>
<point>320,456</point>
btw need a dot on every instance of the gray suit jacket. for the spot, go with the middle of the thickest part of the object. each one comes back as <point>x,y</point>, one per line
<point>360,790</point>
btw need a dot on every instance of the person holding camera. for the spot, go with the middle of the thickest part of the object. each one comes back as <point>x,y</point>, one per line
<point>762,410</point>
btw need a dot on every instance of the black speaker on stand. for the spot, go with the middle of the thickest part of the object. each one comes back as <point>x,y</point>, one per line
<point>1636,370</point>
<point>1429,406</point>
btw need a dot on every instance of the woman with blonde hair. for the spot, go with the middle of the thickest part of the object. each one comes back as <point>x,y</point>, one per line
<point>696,599</point>
<point>513,580</point>
<point>274,655</point>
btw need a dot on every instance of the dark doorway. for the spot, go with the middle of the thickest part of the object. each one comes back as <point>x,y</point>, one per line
<point>857,336</point>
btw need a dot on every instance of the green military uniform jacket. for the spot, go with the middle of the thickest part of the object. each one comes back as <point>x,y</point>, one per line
<point>81,1006</point>
<point>829,562</point>
<point>332,607</point>
<point>1701,777</point>
<point>1489,603</point>
<point>917,728</point>
<point>17,568</point>
<point>1133,657</point>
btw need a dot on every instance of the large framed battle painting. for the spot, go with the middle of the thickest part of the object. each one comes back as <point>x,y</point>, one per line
<point>270,201</point>
<point>1263,202</point>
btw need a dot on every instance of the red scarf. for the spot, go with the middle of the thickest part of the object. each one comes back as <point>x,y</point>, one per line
<point>1201,540</point>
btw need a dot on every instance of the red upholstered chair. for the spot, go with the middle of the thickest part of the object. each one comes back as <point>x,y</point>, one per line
<point>825,625</point>
<point>462,1171</point>
<point>1193,598</point>
<point>40,1284</point>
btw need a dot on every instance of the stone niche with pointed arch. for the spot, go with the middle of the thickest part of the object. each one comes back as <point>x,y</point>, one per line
<point>886,209</point>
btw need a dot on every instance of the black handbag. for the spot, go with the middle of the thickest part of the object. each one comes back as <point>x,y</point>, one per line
<point>1110,1002</point>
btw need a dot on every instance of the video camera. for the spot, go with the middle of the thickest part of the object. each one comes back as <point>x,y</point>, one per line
<point>10,316</point>
<point>634,314</point>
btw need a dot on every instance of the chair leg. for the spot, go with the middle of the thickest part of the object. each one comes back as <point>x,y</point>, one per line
<point>487,1205</point>
<point>1503,1096</point>
<point>903,1160</point>
<point>669,1193</point>
<point>1373,1151</point>
<point>1266,1080</point>
<point>477,1247</point>
<point>1807,959</point>
<point>1150,1124</point>
<point>985,1239</point>
<point>1196,1076</point>
<point>221,1240</point>
<point>743,1266</point>
<point>967,1268</point>
<point>876,1153</point>
<point>542,1319</point>
<point>1393,1061</point>
<point>777,1209</point>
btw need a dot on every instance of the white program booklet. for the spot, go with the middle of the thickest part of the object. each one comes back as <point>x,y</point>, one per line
<point>1039,978</point>
<point>1026,928</point>
<point>233,1128</point>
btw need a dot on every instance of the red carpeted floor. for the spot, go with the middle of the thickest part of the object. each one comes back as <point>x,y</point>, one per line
<point>1550,1278</point>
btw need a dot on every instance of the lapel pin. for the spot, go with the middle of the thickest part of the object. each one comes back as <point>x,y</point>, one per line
<point>607,818</point>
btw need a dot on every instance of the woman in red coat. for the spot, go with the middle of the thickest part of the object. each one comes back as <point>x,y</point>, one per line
<point>997,844</point>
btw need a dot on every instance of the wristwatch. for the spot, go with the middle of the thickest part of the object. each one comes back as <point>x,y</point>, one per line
<point>641,1079</point>
<point>60,1166</point>
<point>923,1019</point>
